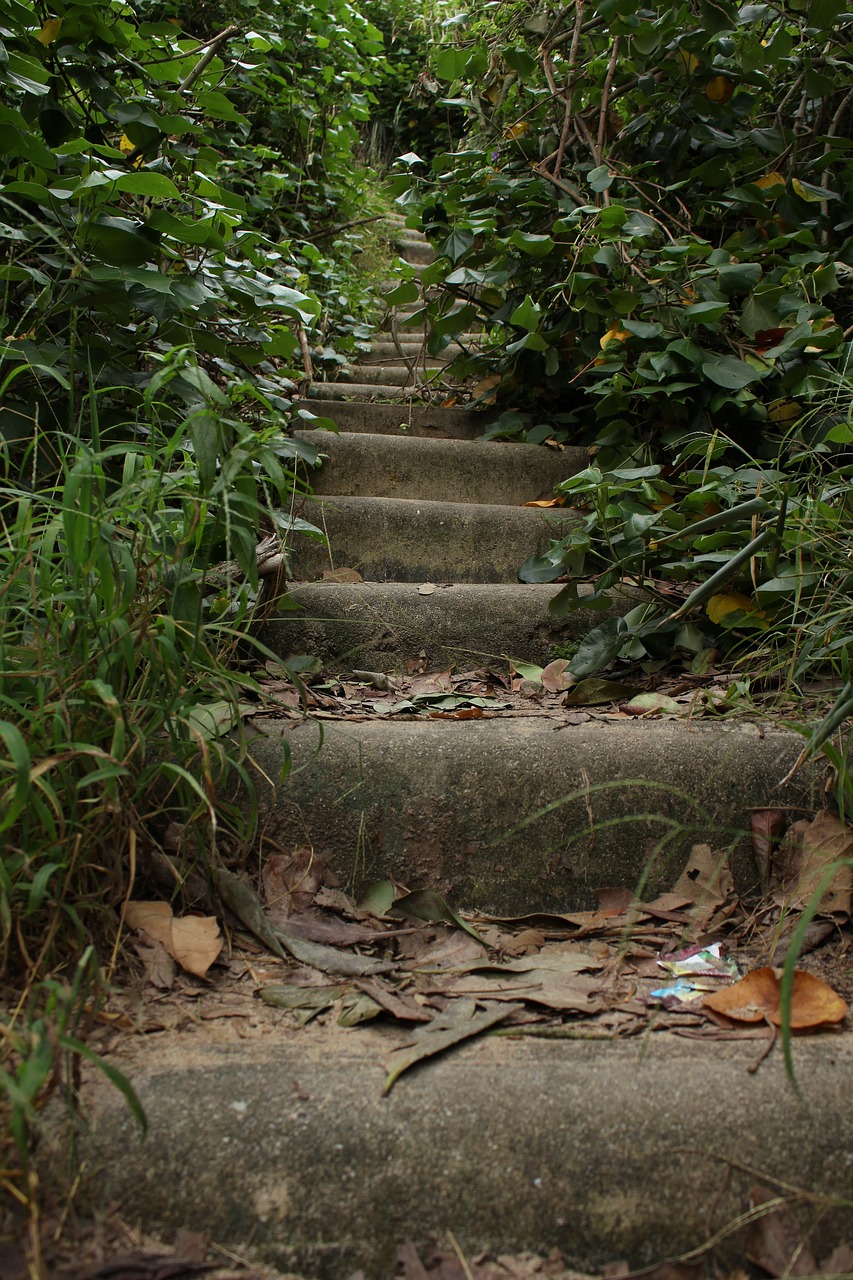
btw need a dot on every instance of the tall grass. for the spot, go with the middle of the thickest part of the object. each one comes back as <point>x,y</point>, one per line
<point>128,578</point>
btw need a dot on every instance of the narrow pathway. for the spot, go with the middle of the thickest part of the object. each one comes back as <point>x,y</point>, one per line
<point>429,520</point>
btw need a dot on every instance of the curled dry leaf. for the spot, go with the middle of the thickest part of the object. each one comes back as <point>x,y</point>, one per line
<point>756,998</point>
<point>193,941</point>
<point>547,502</point>
<point>826,840</point>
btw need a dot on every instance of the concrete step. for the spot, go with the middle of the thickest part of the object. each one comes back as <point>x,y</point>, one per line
<point>410,540</point>
<point>506,474</point>
<point>418,252</point>
<point>276,1142</point>
<point>439,803</point>
<point>377,626</point>
<point>392,375</point>
<point>361,391</point>
<point>405,420</point>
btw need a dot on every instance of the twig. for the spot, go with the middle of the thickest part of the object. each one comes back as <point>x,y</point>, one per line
<point>605,98</point>
<point>570,88</point>
<point>345,226</point>
<point>207,57</point>
<point>306,354</point>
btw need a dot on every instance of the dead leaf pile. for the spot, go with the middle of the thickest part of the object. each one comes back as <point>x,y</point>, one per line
<point>526,690</point>
<point>682,962</point>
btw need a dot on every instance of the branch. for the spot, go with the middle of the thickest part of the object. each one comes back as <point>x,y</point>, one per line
<point>207,57</point>
<point>570,88</point>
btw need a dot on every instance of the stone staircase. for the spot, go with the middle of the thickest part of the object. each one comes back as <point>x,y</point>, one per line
<point>278,1142</point>
<point>410,495</point>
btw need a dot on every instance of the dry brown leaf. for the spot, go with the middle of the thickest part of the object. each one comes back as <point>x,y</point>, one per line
<point>756,999</point>
<point>194,941</point>
<point>706,879</point>
<point>159,966</point>
<point>342,575</point>
<point>767,827</point>
<point>555,677</point>
<point>547,502</point>
<point>292,880</point>
<point>826,839</point>
<point>525,943</point>
<point>774,1240</point>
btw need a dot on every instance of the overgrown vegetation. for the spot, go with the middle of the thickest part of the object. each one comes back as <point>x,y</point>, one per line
<point>174,185</point>
<point>651,215</point>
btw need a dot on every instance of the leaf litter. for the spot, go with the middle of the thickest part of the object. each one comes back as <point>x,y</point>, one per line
<point>696,961</point>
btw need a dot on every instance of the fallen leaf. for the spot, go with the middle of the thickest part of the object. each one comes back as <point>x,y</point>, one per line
<point>555,677</point>
<point>426,904</point>
<point>525,943</point>
<point>767,826</point>
<point>774,1240</point>
<point>706,880</point>
<point>756,999</point>
<point>824,841</point>
<point>593,692</point>
<point>651,704</point>
<point>194,941</point>
<point>291,880</point>
<point>160,968</point>
<point>342,575</point>
<point>459,1021</point>
<point>559,501</point>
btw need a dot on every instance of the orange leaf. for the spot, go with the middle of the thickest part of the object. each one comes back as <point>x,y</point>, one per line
<point>756,999</point>
<point>727,602</point>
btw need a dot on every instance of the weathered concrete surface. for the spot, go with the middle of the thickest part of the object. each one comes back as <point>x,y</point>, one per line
<point>410,420</point>
<point>406,540</point>
<point>282,1145</point>
<point>358,391</point>
<point>378,625</point>
<point>391,375</point>
<point>440,470</point>
<point>516,815</point>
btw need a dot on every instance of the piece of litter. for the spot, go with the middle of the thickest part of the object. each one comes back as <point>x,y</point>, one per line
<point>426,589</point>
<point>705,962</point>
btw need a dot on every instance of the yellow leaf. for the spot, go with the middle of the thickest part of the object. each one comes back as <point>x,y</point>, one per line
<point>50,30</point>
<point>125,146</point>
<point>689,62</point>
<point>547,502</point>
<point>614,335</point>
<point>801,191</point>
<point>727,602</point>
<point>772,179</point>
<point>781,411</point>
<point>720,89</point>
<point>517,130</point>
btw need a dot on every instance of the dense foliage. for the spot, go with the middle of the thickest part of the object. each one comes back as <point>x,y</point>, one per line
<point>173,185</point>
<point>651,215</point>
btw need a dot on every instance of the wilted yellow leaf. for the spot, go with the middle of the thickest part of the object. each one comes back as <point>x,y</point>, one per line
<point>728,602</point>
<point>547,502</point>
<point>125,146</point>
<point>50,30</point>
<point>688,61</point>
<point>811,196</point>
<point>194,941</point>
<point>614,335</point>
<point>517,130</point>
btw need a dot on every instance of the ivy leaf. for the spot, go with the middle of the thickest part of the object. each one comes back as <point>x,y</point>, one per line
<point>728,371</point>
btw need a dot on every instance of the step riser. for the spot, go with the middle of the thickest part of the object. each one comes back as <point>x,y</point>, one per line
<point>437,804</point>
<point>392,376</point>
<point>403,540</point>
<point>442,471</point>
<point>359,391</point>
<point>599,1150</point>
<point>391,419</point>
<point>373,626</point>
